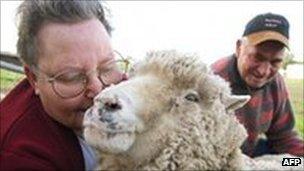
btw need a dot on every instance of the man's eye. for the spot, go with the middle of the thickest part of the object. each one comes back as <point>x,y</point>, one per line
<point>276,63</point>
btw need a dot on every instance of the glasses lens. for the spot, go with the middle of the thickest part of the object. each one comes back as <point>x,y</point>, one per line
<point>69,84</point>
<point>73,82</point>
<point>113,76</point>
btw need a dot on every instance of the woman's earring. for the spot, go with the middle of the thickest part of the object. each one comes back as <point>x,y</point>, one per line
<point>36,89</point>
<point>36,92</point>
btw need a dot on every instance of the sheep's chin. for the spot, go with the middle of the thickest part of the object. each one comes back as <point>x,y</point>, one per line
<point>109,142</point>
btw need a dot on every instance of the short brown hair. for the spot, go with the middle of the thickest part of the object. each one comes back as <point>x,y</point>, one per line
<point>33,13</point>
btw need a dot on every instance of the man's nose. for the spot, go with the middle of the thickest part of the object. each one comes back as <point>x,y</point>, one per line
<point>94,86</point>
<point>264,69</point>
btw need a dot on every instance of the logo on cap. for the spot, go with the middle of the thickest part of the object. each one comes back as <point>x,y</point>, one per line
<point>272,22</point>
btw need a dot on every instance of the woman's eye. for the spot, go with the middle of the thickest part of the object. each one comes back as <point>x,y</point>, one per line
<point>70,77</point>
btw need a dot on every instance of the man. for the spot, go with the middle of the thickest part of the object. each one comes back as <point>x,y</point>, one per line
<point>253,70</point>
<point>68,59</point>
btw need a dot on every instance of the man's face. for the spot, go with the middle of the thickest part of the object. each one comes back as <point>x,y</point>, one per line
<point>84,46</point>
<point>258,64</point>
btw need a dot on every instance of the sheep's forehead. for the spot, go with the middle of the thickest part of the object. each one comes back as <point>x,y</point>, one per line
<point>182,71</point>
<point>181,68</point>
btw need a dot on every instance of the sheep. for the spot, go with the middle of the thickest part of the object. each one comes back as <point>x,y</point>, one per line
<point>172,114</point>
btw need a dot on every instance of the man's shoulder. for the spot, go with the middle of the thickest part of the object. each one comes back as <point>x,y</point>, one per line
<point>221,64</point>
<point>224,67</point>
<point>278,82</point>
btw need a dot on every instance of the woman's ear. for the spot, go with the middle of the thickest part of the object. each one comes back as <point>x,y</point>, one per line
<point>31,77</point>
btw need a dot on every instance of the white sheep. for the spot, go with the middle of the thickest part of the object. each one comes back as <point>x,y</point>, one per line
<point>172,114</point>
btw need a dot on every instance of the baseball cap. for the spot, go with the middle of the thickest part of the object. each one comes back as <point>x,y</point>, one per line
<point>268,26</point>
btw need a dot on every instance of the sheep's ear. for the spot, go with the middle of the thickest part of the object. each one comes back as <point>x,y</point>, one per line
<point>234,102</point>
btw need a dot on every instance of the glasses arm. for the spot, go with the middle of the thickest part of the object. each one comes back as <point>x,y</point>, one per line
<point>127,61</point>
<point>38,71</point>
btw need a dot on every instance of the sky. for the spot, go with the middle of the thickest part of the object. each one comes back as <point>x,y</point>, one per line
<point>208,28</point>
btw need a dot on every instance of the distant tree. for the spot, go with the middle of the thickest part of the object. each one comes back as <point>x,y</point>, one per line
<point>289,60</point>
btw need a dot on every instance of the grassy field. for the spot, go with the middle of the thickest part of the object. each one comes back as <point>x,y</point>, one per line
<point>295,88</point>
<point>9,79</point>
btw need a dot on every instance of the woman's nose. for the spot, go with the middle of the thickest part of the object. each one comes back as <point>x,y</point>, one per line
<point>94,86</point>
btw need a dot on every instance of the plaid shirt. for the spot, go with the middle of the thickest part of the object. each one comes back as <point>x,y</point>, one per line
<point>268,112</point>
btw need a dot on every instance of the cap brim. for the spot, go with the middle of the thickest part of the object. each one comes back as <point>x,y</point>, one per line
<point>262,36</point>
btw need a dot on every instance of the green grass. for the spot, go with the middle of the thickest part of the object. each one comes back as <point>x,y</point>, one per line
<point>9,79</point>
<point>295,87</point>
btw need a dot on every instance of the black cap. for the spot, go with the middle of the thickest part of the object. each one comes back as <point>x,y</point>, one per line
<point>266,27</point>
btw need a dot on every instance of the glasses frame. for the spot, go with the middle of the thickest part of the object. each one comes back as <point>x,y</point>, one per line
<point>52,79</point>
<point>127,61</point>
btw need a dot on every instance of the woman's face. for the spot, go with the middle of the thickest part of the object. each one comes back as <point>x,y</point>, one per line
<point>83,46</point>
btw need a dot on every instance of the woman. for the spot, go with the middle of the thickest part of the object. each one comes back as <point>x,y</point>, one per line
<point>67,55</point>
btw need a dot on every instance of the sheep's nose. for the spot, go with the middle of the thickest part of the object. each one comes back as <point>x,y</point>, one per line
<point>112,106</point>
<point>109,102</point>
<point>109,105</point>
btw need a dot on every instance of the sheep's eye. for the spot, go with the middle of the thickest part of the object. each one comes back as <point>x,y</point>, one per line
<point>192,97</point>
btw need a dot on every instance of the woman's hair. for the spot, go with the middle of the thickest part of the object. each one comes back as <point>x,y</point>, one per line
<point>34,13</point>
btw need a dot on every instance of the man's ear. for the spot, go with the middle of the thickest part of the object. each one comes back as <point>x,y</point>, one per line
<point>31,77</point>
<point>238,47</point>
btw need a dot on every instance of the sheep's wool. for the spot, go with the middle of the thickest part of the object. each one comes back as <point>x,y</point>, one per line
<point>174,114</point>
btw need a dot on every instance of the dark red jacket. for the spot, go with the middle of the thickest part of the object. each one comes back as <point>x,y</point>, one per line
<point>30,139</point>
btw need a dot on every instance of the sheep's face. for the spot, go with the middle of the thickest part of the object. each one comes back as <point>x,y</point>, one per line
<point>120,113</point>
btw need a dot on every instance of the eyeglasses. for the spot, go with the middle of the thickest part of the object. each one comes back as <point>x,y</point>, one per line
<point>73,82</point>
